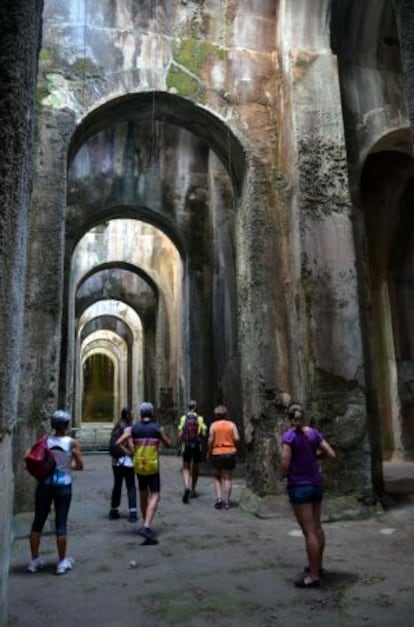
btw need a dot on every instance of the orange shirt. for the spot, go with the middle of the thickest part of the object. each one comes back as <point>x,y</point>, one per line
<point>223,437</point>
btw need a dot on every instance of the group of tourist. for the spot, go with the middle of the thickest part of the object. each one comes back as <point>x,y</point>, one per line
<point>137,454</point>
<point>140,443</point>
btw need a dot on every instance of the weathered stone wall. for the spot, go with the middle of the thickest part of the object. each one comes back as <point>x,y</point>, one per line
<point>20,23</point>
<point>38,394</point>
<point>375,76</point>
<point>405,23</point>
<point>244,84</point>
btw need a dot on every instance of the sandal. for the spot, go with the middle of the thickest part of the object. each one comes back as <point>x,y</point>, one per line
<point>322,571</point>
<point>301,583</point>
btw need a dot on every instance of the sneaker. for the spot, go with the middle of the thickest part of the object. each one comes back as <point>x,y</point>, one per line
<point>194,494</point>
<point>35,564</point>
<point>186,495</point>
<point>149,535</point>
<point>114,514</point>
<point>64,565</point>
<point>132,516</point>
<point>218,504</point>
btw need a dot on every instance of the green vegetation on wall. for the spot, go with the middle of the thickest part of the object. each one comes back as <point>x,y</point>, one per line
<point>189,58</point>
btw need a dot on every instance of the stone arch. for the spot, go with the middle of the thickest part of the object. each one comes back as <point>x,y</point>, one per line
<point>182,112</point>
<point>127,324</point>
<point>223,164</point>
<point>385,187</point>
<point>101,407</point>
<point>110,251</point>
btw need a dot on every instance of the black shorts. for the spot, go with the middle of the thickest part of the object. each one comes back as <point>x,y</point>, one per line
<point>191,454</point>
<point>224,462</point>
<point>149,482</point>
<point>302,494</point>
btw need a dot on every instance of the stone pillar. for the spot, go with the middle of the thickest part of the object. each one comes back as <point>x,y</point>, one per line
<point>263,326</point>
<point>43,299</point>
<point>404,10</point>
<point>331,381</point>
<point>20,28</point>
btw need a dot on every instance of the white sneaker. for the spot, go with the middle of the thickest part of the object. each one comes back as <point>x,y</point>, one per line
<point>35,564</point>
<point>64,565</point>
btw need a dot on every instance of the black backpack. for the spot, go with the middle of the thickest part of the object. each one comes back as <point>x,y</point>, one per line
<point>116,433</point>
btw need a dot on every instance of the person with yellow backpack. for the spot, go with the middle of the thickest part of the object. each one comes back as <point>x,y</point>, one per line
<point>144,439</point>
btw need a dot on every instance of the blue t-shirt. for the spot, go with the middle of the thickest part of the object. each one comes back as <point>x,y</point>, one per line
<point>303,467</point>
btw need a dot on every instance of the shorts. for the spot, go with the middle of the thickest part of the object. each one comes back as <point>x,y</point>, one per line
<point>224,462</point>
<point>301,494</point>
<point>149,482</point>
<point>192,454</point>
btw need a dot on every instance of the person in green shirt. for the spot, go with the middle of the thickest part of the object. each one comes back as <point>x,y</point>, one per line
<point>191,431</point>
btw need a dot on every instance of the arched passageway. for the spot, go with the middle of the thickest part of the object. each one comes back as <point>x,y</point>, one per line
<point>387,196</point>
<point>98,388</point>
<point>141,166</point>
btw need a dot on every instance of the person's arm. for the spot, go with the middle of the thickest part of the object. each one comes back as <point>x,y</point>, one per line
<point>326,449</point>
<point>236,434</point>
<point>181,428</point>
<point>202,427</point>
<point>165,439</point>
<point>76,455</point>
<point>285,457</point>
<point>210,441</point>
<point>125,443</point>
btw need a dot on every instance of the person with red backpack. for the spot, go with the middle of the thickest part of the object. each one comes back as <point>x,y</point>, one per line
<point>56,489</point>
<point>191,431</point>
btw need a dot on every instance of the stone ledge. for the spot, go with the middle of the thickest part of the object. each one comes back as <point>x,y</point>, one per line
<point>334,508</point>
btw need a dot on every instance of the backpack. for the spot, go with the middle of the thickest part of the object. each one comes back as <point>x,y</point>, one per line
<point>190,430</point>
<point>146,438</point>
<point>113,449</point>
<point>40,460</point>
<point>146,460</point>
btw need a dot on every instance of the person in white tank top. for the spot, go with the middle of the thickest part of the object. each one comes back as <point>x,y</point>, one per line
<point>56,489</point>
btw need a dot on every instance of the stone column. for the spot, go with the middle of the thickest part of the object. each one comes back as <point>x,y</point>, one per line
<point>263,324</point>
<point>20,28</point>
<point>404,10</point>
<point>331,380</point>
<point>43,299</point>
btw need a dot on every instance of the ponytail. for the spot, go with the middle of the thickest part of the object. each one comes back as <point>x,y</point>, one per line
<point>296,416</point>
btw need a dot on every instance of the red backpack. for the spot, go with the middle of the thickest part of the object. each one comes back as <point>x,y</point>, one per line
<point>40,460</point>
<point>190,431</point>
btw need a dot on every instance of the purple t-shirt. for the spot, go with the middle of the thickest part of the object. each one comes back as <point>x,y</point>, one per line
<point>303,467</point>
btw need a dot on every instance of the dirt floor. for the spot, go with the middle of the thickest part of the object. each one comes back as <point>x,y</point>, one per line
<point>224,568</point>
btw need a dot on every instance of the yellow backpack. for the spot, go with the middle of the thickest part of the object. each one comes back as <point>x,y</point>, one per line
<point>146,460</point>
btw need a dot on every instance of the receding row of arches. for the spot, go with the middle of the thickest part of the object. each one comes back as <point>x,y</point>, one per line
<point>150,238</point>
<point>150,302</point>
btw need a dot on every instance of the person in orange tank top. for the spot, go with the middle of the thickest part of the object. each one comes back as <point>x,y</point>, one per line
<point>221,451</point>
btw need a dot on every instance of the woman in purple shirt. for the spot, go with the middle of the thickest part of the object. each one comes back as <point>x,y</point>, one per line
<point>301,445</point>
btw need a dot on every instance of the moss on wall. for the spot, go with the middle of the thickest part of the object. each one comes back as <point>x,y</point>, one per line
<point>184,84</point>
<point>189,59</point>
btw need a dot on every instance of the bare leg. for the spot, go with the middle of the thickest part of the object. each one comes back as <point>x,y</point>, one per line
<point>305,517</point>
<point>152,504</point>
<point>34,543</point>
<point>143,501</point>
<point>194,476</point>
<point>227,484</point>
<point>317,508</point>
<point>61,547</point>
<point>186,475</point>
<point>217,483</point>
